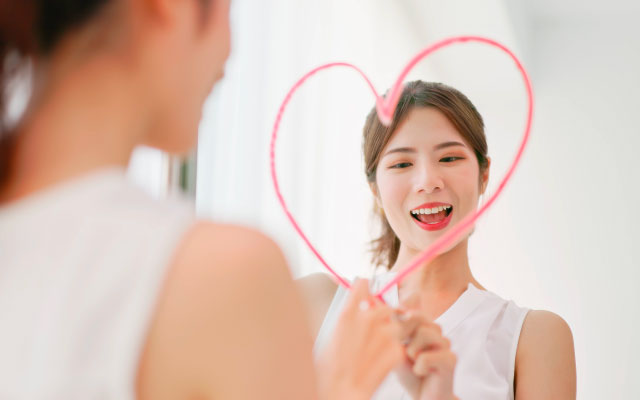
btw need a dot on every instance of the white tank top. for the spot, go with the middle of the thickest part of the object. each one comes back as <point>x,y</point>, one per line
<point>483,329</point>
<point>81,266</point>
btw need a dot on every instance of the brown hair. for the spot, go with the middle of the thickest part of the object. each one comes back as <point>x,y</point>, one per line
<point>31,28</point>
<point>28,28</point>
<point>455,106</point>
<point>16,18</point>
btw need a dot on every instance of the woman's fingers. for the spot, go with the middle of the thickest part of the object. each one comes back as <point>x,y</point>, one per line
<point>425,338</point>
<point>420,334</point>
<point>432,361</point>
<point>373,335</point>
<point>379,314</point>
<point>369,319</point>
<point>429,372</point>
<point>366,345</point>
<point>366,309</point>
<point>426,347</point>
<point>386,352</point>
<point>411,321</point>
<point>359,293</point>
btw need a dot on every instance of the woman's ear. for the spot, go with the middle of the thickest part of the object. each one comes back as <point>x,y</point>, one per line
<point>376,195</point>
<point>485,177</point>
<point>162,11</point>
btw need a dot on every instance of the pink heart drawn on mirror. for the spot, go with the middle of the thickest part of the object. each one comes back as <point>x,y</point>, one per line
<point>385,108</point>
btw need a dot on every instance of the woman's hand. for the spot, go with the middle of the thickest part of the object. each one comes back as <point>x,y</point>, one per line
<point>430,363</point>
<point>365,347</point>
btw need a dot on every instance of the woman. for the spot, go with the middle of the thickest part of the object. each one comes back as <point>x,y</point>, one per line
<point>107,293</point>
<point>427,171</point>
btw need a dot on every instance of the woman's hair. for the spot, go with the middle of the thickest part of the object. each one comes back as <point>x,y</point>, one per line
<point>31,28</point>
<point>449,101</point>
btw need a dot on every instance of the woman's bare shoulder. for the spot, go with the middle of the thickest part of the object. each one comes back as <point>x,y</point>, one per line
<point>545,355</point>
<point>317,291</point>
<point>228,296</point>
<point>221,240</point>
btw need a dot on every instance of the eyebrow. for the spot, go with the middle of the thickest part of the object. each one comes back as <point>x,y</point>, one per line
<point>400,150</point>
<point>448,144</point>
<point>440,146</point>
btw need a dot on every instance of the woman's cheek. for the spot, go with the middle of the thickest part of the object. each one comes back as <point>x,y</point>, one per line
<point>393,191</point>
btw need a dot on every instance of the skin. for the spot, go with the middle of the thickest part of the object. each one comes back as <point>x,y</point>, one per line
<point>424,173</point>
<point>138,74</point>
<point>365,347</point>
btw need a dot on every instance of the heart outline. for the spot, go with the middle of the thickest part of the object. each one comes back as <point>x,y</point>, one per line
<point>385,107</point>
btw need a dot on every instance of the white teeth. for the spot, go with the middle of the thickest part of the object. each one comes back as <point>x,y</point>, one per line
<point>430,210</point>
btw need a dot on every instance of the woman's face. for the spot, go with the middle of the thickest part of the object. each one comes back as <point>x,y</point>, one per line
<point>427,178</point>
<point>190,59</point>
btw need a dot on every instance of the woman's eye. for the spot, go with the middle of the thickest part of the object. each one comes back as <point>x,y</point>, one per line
<point>451,159</point>
<point>401,165</point>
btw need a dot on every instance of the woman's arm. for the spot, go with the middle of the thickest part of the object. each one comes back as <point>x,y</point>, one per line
<point>545,359</point>
<point>317,291</point>
<point>229,323</point>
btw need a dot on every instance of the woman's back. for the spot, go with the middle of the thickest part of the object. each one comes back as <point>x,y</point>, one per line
<point>82,264</point>
<point>97,298</point>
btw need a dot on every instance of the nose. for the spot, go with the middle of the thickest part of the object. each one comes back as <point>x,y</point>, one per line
<point>428,180</point>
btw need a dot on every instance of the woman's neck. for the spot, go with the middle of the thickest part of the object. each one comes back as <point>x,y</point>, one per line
<point>434,287</point>
<point>81,122</point>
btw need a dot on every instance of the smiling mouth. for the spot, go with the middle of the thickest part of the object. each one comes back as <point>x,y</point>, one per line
<point>432,216</point>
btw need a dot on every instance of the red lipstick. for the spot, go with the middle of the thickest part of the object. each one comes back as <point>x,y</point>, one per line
<point>433,221</point>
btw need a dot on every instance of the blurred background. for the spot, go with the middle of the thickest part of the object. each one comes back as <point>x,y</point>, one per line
<point>562,237</point>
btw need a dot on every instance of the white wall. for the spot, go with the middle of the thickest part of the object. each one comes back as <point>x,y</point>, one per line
<point>569,223</point>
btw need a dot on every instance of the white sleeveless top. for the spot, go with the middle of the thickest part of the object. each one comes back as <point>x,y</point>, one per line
<point>81,266</point>
<point>483,329</point>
